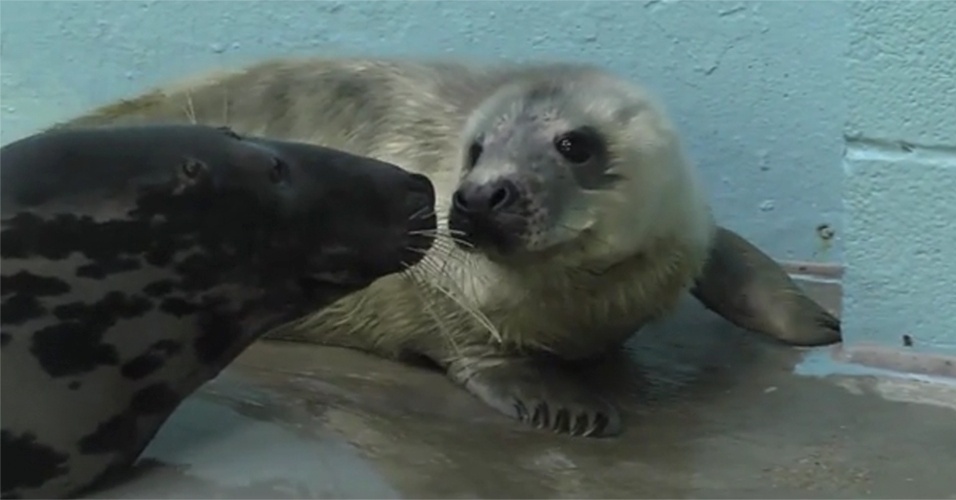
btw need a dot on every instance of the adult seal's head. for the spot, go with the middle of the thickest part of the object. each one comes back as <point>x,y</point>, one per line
<point>139,261</point>
<point>234,197</point>
<point>578,167</point>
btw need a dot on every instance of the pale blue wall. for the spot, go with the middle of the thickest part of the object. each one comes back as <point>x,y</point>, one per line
<point>900,166</point>
<point>763,92</point>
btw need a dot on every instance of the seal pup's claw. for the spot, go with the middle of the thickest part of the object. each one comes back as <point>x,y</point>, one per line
<point>538,393</point>
<point>807,324</point>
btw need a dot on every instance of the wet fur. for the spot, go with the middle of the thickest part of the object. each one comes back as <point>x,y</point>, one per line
<point>494,325</point>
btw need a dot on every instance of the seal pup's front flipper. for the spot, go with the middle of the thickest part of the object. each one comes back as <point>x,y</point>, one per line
<point>542,393</point>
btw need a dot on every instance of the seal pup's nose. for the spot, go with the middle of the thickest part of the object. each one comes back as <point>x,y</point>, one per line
<point>485,198</point>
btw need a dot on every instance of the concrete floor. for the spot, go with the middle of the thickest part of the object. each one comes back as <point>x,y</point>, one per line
<point>711,411</point>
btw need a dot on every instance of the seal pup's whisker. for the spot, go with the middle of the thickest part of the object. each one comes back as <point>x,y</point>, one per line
<point>474,313</point>
<point>189,109</point>
<point>446,253</point>
<point>451,244</point>
<point>447,238</point>
<point>426,303</point>
<point>443,241</point>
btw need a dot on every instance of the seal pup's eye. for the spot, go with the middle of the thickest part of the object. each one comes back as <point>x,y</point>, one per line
<point>577,146</point>
<point>474,152</point>
<point>191,168</point>
<point>279,171</point>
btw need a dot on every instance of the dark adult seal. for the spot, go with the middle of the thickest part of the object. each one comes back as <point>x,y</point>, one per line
<point>137,262</point>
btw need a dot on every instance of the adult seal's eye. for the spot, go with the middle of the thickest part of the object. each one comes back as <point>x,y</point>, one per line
<point>279,171</point>
<point>191,168</point>
<point>575,146</point>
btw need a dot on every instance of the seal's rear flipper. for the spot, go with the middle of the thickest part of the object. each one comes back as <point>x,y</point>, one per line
<point>748,288</point>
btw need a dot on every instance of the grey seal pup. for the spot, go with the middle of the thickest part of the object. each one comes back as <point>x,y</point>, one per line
<point>137,262</point>
<point>575,217</point>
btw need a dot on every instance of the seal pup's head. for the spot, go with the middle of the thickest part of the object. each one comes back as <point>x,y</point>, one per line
<point>572,163</point>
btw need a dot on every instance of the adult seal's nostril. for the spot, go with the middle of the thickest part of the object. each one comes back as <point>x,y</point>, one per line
<point>418,205</point>
<point>492,197</point>
<point>420,200</point>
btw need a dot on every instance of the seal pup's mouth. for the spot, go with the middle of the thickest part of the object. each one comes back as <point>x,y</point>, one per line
<point>487,239</point>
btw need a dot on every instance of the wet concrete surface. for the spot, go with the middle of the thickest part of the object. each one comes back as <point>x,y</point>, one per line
<point>710,411</point>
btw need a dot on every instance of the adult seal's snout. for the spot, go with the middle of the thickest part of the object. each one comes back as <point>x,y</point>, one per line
<point>420,200</point>
<point>422,219</point>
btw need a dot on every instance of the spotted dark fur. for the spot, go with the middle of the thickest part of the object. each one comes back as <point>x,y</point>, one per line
<point>159,288</point>
<point>133,288</point>
<point>29,283</point>
<point>27,463</point>
<point>19,309</point>
<point>217,333</point>
<point>22,292</point>
<point>117,432</point>
<point>74,345</point>
<point>104,268</point>
<point>151,360</point>
<point>178,306</point>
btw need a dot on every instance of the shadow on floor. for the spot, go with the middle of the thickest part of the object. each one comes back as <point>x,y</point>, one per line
<point>710,411</point>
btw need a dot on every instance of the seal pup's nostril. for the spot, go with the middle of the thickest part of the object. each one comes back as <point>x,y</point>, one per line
<point>460,201</point>
<point>504,195</point>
